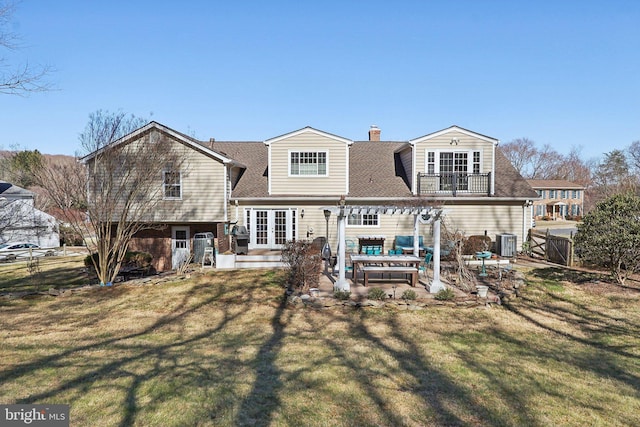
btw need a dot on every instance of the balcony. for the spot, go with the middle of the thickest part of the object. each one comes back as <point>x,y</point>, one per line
<point>454,183</point>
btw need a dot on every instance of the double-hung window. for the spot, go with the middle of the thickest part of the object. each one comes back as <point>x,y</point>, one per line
<point>363,220</point>
<point>308,163</point>
<point>172,185</point>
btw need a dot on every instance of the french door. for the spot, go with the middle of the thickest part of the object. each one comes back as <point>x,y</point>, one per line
<point>271,228</point>
<point>453,171</point>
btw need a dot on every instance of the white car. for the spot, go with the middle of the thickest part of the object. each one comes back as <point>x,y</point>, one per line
<point>13,250</point>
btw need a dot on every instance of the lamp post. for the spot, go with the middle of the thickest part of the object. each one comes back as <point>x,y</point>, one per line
<point>326,249</point>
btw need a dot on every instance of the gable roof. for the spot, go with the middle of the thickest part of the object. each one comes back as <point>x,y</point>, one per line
<point>457,129</point>
<point>553,184</point>
<point>375,171</point>
<point>185,139</point>
<point>307,129</point>
<point>11,191</point>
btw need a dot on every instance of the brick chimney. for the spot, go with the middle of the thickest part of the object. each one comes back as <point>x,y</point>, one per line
<point>374,133</point>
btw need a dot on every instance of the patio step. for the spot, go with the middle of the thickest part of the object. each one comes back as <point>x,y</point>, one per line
<point>259,261</point>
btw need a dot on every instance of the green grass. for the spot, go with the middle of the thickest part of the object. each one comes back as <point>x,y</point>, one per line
<point>51,272</point>
<point>221,349</point>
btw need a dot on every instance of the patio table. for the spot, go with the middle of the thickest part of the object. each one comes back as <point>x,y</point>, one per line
<point>386,264</point>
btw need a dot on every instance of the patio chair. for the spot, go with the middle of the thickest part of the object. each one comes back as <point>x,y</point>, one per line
<point>425,264</point>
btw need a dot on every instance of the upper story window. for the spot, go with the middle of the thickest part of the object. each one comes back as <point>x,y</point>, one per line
<point>449,162</point>
<point>563,194</point>
<point>308,163</point>
<point>552,194</point>
<point>541,193</point>
<point>431,162</point>
<point>476,162</point>
<point>172,185</point>
<point>576,194</point>
<point>364,220</point>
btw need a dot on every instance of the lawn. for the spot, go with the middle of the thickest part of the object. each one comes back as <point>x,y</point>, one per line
<point>222,349</point>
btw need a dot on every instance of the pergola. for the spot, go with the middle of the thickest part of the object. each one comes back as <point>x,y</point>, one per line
<point>421,214</point>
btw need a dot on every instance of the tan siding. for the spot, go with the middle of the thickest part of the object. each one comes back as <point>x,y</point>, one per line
<point>202,190</point>
<point>333,184</point>
<point>443,143</point>
<point>472,219</point>
<point>494,219</point>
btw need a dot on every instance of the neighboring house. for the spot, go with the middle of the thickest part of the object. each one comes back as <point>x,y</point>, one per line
<point>559,199</point>
<point>278,187</point>
<point>21,221</point>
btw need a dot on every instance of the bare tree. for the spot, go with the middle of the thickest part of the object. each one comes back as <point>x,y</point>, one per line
<point>520,151</point>
<point>124,182</point>
<point>574,169</point>
<point>24,78</point>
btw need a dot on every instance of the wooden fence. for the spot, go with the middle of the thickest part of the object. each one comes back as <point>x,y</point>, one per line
<point>556,249</point>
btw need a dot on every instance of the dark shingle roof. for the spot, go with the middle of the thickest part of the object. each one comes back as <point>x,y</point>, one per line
<point>375,171</point>
<point>253,155</point>
<point>509,182</point>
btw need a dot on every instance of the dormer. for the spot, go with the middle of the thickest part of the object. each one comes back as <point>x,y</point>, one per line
<point>453,162</point>
<point>308,162</point>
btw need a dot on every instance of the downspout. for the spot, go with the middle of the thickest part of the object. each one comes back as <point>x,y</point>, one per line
<point>493,169</point>
<point>226,196</point>
<point>414,168</point>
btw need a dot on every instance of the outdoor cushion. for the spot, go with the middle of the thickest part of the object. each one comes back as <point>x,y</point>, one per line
<point>406,242</point>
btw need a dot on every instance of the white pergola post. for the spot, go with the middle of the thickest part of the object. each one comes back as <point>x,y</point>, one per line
<point>341,284</point>
<point>436,285</point>
<point>416,235</point>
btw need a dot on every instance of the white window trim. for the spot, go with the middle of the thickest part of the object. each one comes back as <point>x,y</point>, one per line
<point>440,150</point>
<point>326,154</point>
<point>363,225</point>
<point>164,186</point>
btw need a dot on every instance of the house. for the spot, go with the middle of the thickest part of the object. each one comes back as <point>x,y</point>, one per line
<point>558,199</point>
<point>278,187</point>
<point>21,221</point>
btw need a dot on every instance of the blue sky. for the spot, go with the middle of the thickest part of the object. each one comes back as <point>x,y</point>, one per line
<point>563,73</point>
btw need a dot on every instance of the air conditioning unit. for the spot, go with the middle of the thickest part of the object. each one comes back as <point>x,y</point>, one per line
<point>506,245</point>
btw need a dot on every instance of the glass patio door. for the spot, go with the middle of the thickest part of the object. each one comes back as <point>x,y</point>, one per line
<point>271,228</point>
<point>454,167</point>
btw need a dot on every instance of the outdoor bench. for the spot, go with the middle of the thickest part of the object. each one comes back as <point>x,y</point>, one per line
<point>367,270</point>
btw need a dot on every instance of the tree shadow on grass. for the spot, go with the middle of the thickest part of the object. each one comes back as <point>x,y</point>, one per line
<point>592,328</point>
<point>144,359</point>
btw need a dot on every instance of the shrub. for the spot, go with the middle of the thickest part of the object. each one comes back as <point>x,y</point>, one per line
<point>609,236</point>
<point>341,295</point>
<point>409,295</point>
<point>476,243</point>
<point>68,236</point>
<point>304,265</point>
<point>445,294</point>
<point>131,259</point>
<point>377,294</point>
